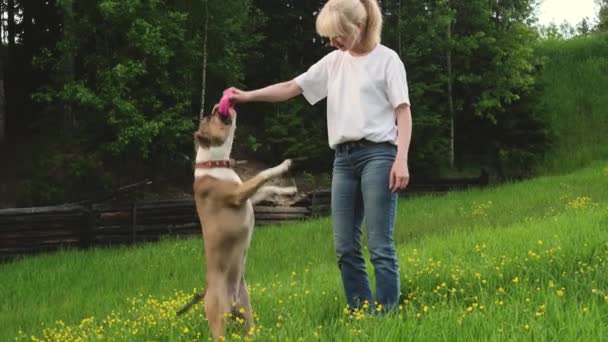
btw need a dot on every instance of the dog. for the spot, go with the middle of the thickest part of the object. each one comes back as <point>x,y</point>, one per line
<point>225,208</point>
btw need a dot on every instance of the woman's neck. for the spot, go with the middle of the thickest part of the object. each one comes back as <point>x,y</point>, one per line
<point>359,50</point>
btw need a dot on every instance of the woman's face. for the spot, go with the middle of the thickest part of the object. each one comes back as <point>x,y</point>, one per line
<point>347,42</point>
<point>343,43</point>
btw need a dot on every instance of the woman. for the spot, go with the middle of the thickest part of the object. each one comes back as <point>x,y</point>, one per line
<point>366,88</point>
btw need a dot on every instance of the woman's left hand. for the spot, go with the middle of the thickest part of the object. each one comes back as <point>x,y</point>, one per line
<point>400,175</point>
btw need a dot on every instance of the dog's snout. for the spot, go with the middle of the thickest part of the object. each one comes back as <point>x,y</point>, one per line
<point>226,119</point>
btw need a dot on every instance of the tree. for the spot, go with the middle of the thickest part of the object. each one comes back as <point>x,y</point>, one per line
<point>420,28</point>
<point>68,67</point>
<point>566,29</point>
<point>137,73</point>
<point>493,59</point>
<point>450,94</point>
<point>468,64</point>
<point>290,46</point>
<point>2,102</point>
<point>130,78</point>
<point>583,28</point>
<point>28,28</point>
<point>11,26</point>
<point>9,57</point>
<point>204,68</point>
<point>550,31</point>
<point>602,15</point>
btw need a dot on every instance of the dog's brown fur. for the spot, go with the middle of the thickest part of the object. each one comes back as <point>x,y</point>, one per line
<point>225,209</point>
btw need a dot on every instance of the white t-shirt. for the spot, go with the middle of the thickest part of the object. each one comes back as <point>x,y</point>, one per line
<point>362,93</point>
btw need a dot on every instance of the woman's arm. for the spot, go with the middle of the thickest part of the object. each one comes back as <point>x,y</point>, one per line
<point>403,114</point>
<point>278,92</point>
<point>400,174</point>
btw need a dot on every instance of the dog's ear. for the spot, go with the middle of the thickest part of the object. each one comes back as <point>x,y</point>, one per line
<point>200,136</point>
<point>215,109</point>
<point>200,139</point>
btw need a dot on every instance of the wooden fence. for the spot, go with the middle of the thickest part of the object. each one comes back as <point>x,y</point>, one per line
<point>26,231</point>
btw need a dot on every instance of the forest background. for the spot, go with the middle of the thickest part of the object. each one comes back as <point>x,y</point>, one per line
<point>95,95</point>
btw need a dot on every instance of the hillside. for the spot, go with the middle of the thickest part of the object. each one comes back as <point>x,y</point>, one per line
<point>574,80</point>
<point>525,261</point>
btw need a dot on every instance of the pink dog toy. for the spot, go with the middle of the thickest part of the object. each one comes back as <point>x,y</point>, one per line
<point>226,102</point>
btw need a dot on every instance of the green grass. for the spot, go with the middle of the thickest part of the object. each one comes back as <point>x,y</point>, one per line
<point>524,261</point>
<point>575,79</point>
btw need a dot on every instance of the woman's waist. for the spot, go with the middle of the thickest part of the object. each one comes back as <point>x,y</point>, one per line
<point>362,142</point>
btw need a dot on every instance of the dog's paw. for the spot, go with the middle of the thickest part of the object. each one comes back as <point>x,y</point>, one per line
<point>288,191</point>
<point>286,164</point>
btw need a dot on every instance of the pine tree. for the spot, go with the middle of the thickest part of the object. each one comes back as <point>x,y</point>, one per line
<point>602,15</point>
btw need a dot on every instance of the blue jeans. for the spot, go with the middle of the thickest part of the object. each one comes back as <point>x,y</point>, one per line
<point>360,190</point>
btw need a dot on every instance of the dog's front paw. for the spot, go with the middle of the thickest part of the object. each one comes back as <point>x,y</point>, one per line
<point>286,165</point>
<point>288,191</point>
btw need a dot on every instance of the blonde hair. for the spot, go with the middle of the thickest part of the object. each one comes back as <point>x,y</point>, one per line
<point>340,18</point>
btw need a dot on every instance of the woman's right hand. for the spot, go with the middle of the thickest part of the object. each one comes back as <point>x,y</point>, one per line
<point>239,96</point>
<point>278,92</point>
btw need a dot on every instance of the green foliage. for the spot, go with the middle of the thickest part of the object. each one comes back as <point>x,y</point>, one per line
<point>130,58</point>
<point>291,132</point>
<point>492,71</point>
<point>73,173</point>
<point>583,27</point>
<point>47,182</point>
<point>602,15</point>
<point>290,47</point>
<point>492,56</point>
<point>124,78</point>
<point>129,71</point>
<point>252,143</point>
<point>424,55</point>
<point>564,30</point>
<point>574,78</point>
<point>521,142</point>
<point>494,80</point>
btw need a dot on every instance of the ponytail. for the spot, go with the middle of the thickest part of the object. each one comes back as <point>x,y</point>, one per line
<point>372,32</point>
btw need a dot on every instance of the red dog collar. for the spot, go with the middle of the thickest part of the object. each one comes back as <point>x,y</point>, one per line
<point>209,164</point>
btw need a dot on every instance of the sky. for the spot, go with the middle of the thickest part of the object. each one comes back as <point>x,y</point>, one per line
<point>572,11</point>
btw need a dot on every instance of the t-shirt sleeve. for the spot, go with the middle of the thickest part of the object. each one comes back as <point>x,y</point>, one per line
<point>314,81</point>
<point>397,89</point>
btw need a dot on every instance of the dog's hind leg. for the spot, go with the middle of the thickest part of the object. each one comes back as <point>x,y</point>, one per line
<point>244,305</point>
<point>216,308</point>
<point>246,190</point>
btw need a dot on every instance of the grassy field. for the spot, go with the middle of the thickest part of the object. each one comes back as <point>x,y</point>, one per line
<point>524,261</point>
<point>575,79</point>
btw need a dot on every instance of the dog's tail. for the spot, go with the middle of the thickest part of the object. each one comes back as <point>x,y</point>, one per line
<point>195,300</point>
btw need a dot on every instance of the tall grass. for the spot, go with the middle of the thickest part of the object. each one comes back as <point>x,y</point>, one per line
<point>526,261</point>
<point>575,83</point>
